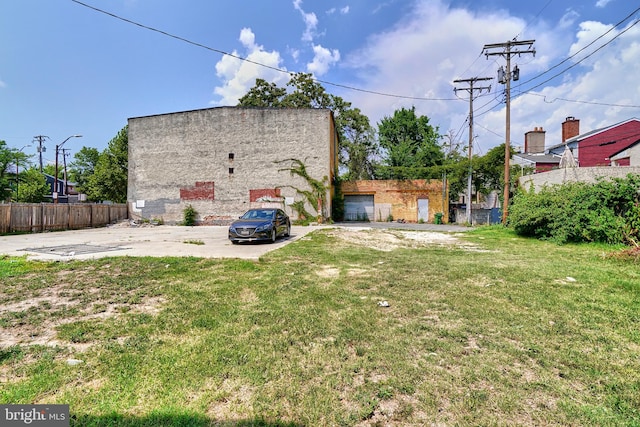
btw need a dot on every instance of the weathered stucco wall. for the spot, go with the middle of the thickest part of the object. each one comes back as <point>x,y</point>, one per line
<point>217,160</point>
<point>402,196</point>
<point>561,176</point>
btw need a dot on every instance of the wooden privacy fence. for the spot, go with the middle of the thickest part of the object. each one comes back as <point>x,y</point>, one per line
<point>36,217</point>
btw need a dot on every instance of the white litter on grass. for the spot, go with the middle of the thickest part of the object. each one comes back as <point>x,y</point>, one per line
<point>571,279</point>
<point>74,362</point>
<point>383,304</point>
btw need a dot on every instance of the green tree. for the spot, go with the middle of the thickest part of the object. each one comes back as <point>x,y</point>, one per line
<point>409,146</point>
<point>263,94</point>
<point>109,180</point>
<point>50,169</point>
<point>357,142</point>
<point>11,160</point>
<point>33,187</point>
<point>83,166</point>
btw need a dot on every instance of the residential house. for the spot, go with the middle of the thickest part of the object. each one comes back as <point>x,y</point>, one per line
<point>595,148</point>
<point>629,156</point>
<point>588,157</point>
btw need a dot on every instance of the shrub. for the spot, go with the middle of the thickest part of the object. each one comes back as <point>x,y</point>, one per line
<point>190,215</point>
<point>607,211</point>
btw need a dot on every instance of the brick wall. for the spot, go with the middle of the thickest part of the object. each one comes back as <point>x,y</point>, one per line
<point>570,128</point>
<point>401,196</point>
<point>175,159</point>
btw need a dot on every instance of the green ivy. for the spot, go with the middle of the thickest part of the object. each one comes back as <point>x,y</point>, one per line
<point>317,194</point>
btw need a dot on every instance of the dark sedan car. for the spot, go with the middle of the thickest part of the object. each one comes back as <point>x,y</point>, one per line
<point>260,224</point>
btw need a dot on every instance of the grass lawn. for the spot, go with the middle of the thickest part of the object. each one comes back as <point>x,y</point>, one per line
<point>482,329</point>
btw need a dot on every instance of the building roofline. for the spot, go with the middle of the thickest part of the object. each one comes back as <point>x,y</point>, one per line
<point>231,107</point>
<point>585,135</point>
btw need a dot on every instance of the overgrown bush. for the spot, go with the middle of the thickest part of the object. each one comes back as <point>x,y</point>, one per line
<point>607,211</point>
<point>190,215</point>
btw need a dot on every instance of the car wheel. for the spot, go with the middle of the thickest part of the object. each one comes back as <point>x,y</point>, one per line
<point>287,230</point>
<point>235,242</point>
<point>274,235</point>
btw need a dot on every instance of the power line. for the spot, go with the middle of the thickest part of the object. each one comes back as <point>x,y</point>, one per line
<point>241,58</point>
<point>585,47</point>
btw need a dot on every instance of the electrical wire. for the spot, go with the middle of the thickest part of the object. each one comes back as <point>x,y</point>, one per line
<point>241,58</point>
<point>414,98</point>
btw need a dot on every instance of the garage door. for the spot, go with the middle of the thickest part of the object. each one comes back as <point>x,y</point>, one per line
<point>358,208</point>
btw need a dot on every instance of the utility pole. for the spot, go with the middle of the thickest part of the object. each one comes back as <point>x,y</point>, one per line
<point>41,148</point>
<point>470,89</point>
<point>65,153</point>
<point>507,50</point>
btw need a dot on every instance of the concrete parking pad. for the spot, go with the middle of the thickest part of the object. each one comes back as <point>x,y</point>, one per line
<point>128,239</point>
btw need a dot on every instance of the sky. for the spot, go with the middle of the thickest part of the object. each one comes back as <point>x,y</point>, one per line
<point>69,69</point>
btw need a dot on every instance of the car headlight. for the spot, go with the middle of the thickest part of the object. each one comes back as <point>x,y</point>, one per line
<point>263,227</point>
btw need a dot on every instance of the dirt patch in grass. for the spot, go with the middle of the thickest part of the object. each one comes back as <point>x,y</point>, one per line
<point>34,319</point>
<point>389,240</point>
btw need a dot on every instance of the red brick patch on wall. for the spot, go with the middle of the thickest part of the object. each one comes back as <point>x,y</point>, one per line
<point>201,191</point>
<point>254,195</point>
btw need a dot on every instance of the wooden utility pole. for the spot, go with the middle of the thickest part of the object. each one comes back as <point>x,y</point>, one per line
<point>507,50</point>
<point>41,148</point>
<point>470,89</point>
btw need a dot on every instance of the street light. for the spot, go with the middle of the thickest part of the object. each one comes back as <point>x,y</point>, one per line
<point>55,184</point>
<point>18,173</point>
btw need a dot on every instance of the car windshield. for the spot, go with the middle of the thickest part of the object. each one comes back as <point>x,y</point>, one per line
<point>258,214</point>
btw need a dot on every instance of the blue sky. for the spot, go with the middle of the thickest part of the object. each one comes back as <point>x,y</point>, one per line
<point>68,69</point>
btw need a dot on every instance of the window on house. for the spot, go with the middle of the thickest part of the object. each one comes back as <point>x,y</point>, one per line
<point>230,171</point>
<point>231,156</point>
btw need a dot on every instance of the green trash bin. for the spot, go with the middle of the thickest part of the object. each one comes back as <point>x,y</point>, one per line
<point>438,218</point>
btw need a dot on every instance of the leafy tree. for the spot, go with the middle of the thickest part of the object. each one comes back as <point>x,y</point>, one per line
<point>83,166</point>
<point>10,160</point>
<point>263,94</point>
<point>410,146</point>
<point>358,145</point>
<point>50,169</point>
<point>109,180</point>
<point>33,187</point>
<point>357,142</point>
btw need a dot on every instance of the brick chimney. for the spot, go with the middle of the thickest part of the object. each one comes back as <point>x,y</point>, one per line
<point>534,141</point>
<point>570,128</point>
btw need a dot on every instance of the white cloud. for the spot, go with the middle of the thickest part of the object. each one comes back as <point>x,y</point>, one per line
<point>310,20</point>
<point>2,84</point>
<point>434,44</point>
<point>322,60</point>
<point>343,10</point>
<point>603,3</point>
<point>568,19</point>
<point>239,76</point>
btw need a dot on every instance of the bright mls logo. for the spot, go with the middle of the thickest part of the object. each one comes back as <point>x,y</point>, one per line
<point>34,415</point>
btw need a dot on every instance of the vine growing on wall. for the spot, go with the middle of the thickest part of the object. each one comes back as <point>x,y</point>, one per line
<point>317,194</point>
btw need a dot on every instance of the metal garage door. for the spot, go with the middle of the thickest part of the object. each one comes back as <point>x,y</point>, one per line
<point>358,208</point>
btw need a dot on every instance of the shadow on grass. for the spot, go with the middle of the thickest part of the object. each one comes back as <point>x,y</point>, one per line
<point>166,420</point>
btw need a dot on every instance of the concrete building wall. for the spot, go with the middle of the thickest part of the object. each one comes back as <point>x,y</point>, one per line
<point>561,176</point>
<point>222,161</point>
<point>400,198</point>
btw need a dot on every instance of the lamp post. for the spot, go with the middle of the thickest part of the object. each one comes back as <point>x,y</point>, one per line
<point>55,182</point>
<point>18,173</point>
